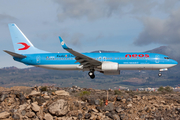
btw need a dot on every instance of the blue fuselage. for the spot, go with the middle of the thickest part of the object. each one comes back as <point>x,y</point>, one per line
<point>126,61</point>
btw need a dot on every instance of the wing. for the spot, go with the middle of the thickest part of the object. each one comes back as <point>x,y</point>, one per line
<point>82,59</point>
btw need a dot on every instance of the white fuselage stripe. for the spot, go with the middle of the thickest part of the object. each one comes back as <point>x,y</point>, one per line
<point>121,66</point>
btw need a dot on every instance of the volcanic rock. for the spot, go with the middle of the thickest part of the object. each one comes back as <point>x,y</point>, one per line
<point>48,116</point>
<point>35,107</point>
<point>59,108</point>
<point>62,92</point>
<point>4,115</point>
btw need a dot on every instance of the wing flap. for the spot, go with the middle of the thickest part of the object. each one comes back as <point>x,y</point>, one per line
<point>14,54</point>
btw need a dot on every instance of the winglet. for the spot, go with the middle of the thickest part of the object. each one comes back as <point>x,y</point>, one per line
<point>63,43</point>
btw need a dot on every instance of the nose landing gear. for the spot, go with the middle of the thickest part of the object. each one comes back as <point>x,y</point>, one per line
<point>91,74</point>
<point>161,70</point>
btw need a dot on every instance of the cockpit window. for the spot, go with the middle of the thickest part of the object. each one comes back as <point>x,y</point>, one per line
<point>166,58</point>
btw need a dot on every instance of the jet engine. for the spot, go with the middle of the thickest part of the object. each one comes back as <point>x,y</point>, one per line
<point>109,68</point>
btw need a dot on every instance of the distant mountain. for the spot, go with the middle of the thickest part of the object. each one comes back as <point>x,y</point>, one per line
<point>162,50</point>
<point>10,68</point>
<point>104,51</point>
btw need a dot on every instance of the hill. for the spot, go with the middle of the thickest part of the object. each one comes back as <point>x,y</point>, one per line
<point>75,103</point>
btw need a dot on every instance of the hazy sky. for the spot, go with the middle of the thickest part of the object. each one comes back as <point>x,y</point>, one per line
<point>88,25</point>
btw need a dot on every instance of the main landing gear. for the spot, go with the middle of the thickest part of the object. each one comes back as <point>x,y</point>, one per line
<point>91,74</point>
<point>160,74</point>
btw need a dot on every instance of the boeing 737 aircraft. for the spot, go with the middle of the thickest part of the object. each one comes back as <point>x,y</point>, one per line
<point>106,63</point>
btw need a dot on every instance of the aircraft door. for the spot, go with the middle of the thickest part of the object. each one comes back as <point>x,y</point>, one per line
<point>38,59</point>
<point>157,59</point>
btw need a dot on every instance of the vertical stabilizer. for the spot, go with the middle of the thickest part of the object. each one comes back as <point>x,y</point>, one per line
<point>20,42</point>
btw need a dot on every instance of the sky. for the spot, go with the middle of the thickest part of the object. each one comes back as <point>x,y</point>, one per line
<point>89,25</point>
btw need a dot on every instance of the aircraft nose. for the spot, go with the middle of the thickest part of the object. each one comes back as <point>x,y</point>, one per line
<point>175,62</point>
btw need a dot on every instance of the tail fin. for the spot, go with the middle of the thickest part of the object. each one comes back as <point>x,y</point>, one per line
<point>20,42</point>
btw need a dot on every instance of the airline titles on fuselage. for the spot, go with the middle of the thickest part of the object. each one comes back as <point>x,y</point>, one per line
<point>137,55</point>
<point>68,55</point>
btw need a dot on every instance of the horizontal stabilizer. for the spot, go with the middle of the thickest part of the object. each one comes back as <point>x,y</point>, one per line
<point>15,54</point>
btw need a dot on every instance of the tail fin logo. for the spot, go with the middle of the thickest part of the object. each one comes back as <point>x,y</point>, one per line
<point>25,46</point>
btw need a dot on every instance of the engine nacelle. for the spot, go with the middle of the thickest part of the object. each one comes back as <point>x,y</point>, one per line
<point>109,66</point>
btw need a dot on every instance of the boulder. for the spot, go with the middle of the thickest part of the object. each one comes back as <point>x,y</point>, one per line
<point>23,107</point>
<point>34,93</point>
<point>129,100</point>
<point>16,117</point>
<point>59,108</point>
<point>46,97</point>
<point>137,97</point>
<point>23,112</point>
<point>21,97</point>
<point>123,100</point>
<point>109,107</point>
<point>3,96</point>
<point>109,115</point>
<point>129,105</point>
<point>40,100</point>
<point>80,115</point>
<point>35,107</point>
<point>119,109</point>
<point>91,101</point>
<point>122,116</point>
<point>30,114</point>
<point>96,102</point>
<point>87,116</point>
<point>143,97</point>
<point>62,92</point>
<point>118,98</point>
<point>116,117</point>
<point>48,116</point>
<point>95,110</point>
<point>4,115</point>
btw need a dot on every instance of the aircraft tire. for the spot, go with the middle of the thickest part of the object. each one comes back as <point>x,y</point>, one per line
<point>92,76</point>
<point>160,74</point>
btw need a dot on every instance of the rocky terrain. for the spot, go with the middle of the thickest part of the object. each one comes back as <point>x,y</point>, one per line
<point>75,103</point>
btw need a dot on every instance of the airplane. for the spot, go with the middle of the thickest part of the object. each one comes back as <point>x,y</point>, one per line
<point>106,63</point>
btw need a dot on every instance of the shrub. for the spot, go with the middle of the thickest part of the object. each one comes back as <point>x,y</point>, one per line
<point>117,92</point>
<point>84,93</point>
<point>167,89</point>
<point>43,88</point>
<point>161,89</point>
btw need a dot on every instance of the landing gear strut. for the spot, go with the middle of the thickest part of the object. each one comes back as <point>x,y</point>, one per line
<point>160,74</point>
<point>91,74</point>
